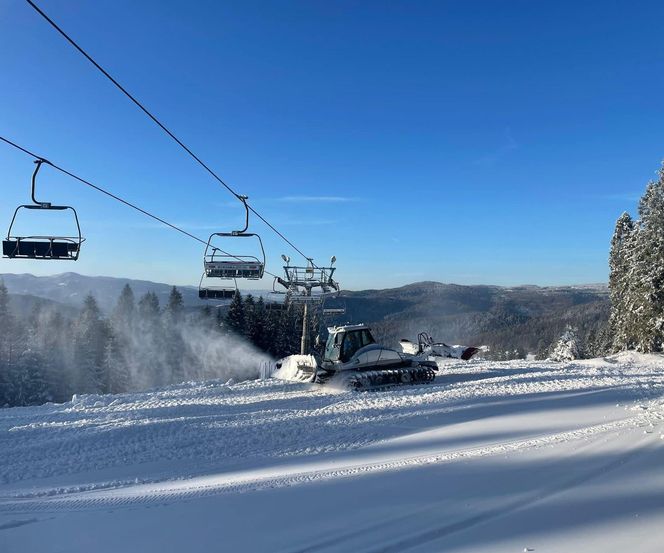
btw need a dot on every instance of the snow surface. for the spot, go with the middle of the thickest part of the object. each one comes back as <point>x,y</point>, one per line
<point>491,457</point>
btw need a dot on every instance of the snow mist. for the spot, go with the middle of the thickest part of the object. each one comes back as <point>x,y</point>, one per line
<point>186,351</point>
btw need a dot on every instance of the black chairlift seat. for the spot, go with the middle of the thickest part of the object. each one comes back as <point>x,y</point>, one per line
<point>42,247</point>
<point>206,292</point>
<point>216,293</point>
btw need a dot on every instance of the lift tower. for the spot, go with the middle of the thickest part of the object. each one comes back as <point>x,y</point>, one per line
<point>309,286</point>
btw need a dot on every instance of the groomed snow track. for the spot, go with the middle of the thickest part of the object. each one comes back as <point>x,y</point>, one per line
<point>458,465</point>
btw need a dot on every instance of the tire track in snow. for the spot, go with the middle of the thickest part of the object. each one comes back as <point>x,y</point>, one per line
<point>198,487</point>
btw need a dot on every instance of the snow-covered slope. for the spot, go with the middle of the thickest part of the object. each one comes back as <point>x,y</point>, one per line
<point>493,457</point>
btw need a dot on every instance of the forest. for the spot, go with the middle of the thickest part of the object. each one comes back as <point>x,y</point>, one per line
<point>48,356</point>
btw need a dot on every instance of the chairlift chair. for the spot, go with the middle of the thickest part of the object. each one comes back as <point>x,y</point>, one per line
<point>215,292</point>
<point>42,247</point>
<point>301,298</point>
<point>223,265</point>
<point>276,305</point>
<point>334,307</point>
<point>276,299</point>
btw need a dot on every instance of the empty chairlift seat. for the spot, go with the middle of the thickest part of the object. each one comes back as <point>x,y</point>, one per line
<point>216,293</point>
<point>42,247</point>
<point>228,268</point>
<point>222,265</point>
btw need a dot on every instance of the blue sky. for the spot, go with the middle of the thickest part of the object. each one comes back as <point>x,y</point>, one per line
<point>467,142</point>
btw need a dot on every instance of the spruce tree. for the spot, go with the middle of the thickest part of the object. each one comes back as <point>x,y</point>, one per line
<point>256,325</point>
<point>650,267</point>
<point>175,306</point>
<point>123,315</point>
<point>120,348</point>
<point>620,286</point>
<point>235,318</point>
<point>54,342</point>
<point>150,343</point>
<point>636,282</point>
<point>174,345</point>
<point>30,385</point>
<point>249,315</point>
<point>117,369</point>
<point>89,348</point>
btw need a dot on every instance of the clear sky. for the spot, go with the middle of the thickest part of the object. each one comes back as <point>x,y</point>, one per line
<point>467,142</point>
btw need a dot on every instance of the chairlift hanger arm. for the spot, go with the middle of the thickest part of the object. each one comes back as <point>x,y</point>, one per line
<point>52,207</point>
<point>209,245</point>
<point>44,205</point>
<point>243,199</point>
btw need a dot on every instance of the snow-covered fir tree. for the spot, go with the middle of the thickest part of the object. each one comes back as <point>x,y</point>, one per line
<point>567,348</point>
<point>620,288</point>
<point>235,318</point>
<point>636,282</point>
<point>89,348</point>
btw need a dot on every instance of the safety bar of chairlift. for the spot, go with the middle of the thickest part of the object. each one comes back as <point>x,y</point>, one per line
<point>308,274</point>
<point>224,258</point>
<point>215,249</point>
<point>77,240</point>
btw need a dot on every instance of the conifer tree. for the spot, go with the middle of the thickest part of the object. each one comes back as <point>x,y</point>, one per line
<point>249,314</point>
<point>29,383</point>
<point>124,313</point>
<point>150,343</point>
<point>256,325</point>
<point>175,306</point>
<point>174,345</point>
<point>235,318</point>
<point>119,377</point>
<point>621,290</point>
<point>89,348</point>
<point>568,347</point>
<point>650,267</point>
<point>120,346</point>
<point>636,282</point>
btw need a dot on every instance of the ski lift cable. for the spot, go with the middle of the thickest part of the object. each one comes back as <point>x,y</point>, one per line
<point>163,127</point>
<point>113,196</point>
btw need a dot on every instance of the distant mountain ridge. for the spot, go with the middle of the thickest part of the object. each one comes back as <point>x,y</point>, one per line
<point>526,317</point>
<point>72,288</point>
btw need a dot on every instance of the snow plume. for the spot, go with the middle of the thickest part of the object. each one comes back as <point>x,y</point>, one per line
<point>224,356</point>
<point>51,354</point>
<point>158,355</point>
